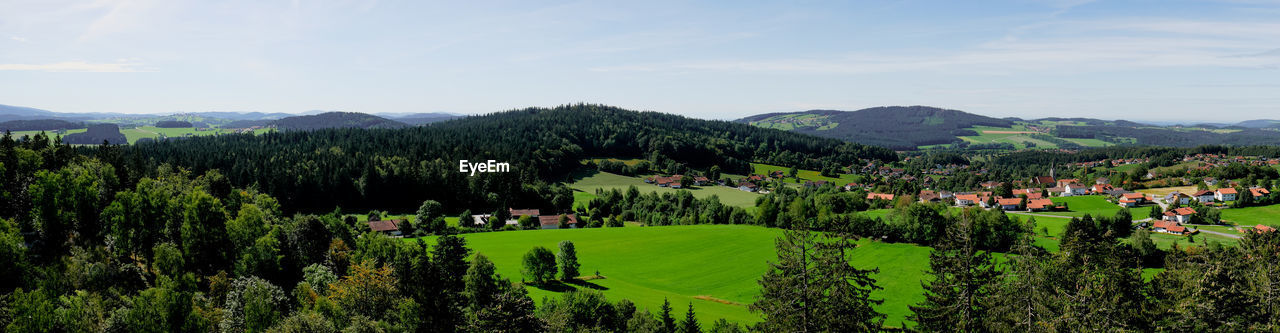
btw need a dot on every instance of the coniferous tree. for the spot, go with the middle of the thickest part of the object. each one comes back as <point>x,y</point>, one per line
<point>690,322</point>
<point>963,279</point>
<point>568,260</point>
<point>812,287</point>
<point>668,322</point>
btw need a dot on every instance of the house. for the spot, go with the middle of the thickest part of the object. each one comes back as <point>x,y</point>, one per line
<point>1168,227</point>
<point>1263,228</point>
<point>1137,198</point>
<point>1211,181</point>
<point>553,221</point>
<point>967,199</point>
<point>852,186</point>
<point>879,196</point>
<point>748,186</point>
<point>1225,194</point>
<point>700,181</point>
<point>990,184</point>
<point>1204,196</point>
<point>1102,181</point>
<point>389,227</point>
<point>677,185</point>
<point>480,220</point>
<point>929,196</point>
<point>517,213</point>
<point>1180,215</point>
<point>1009,203</point>
<point>1043,180</point>
<point>1127,203</point>
<point>1259,193</point>
<point>1101,188</point>
<point>815,184</point>
<point>1039,205</point>
<point>1064,182</point>
<point>1071,189</point>
<point>1181,199</point>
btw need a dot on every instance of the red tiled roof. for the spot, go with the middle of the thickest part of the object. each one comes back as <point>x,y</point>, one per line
<point>1009,201</point>
<point>1257,192</point>
<point>1263,228</point>
<point>1227,190</point>
<point>383,226</point>
<point>883,196</point>
<point>1039,204</point>
<point>524,212</point>
<point>1202,193</point>
<point>970,197</point>
<point>555,219</point>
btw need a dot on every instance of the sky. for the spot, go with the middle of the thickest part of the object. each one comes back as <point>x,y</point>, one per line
<point>1166,60</point>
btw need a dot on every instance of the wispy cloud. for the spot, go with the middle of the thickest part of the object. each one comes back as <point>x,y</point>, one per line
<point>1060,46</point>
<point>75,66</point>
<point>18,39</point>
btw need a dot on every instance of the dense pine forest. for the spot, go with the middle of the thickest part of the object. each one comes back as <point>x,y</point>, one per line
<point>396,169</point>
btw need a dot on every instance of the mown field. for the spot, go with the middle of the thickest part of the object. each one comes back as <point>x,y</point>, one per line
<point>608,181</point>
<point>1250,216</point>
<point>716,267</point>
<point>804,175</point>
<point>1095,205</point>
<point>1159,192</point>
<point>1012,135</point>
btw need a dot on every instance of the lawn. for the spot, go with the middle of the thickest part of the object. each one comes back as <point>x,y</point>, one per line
<point>1095,205</point>
<point>679,263</point>
<point>1250,216</point>
<point>804,175</point>
<point>608,181</point>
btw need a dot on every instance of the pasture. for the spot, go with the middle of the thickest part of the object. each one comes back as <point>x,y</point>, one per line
<point>1095,205</point>
<point>608,181</point>
<point>804,175</point>
<point>1159,192</point>
<point>716,267</point>
<point>1251,216</point>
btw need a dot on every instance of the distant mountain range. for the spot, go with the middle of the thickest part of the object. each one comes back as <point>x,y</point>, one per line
<point>335,120</point>
<point>226,119</point>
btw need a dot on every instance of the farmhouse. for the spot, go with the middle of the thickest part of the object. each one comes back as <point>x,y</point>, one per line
<point>1101,188</point>
<point>1127,203</point>
<point>1168,227</point>
<point>1039,205</point>
<point>517,213</point>
<point>480,220</point>
<point>929,196</point>
<point>1179,198</point>
<point>1225,194</point>
<point>1259,193</point>
<point>1138,198</point>
<point>1072,189</point>
<point>700,181</point>
<point>748,186</point>
<point>1203,196</point>
<point>389,227</point>
<point>1009,203</point>
<point>1180,215</point>
<point>553,221</point>
<point>966,199</point>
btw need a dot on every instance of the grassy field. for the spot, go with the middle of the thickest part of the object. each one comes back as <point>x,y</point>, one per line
<point>804,175</point>
<point>1250,216</point>
<point>1095,205</point>
<point>607,181</point>
<point>681,263</point>
<point>150,132</point>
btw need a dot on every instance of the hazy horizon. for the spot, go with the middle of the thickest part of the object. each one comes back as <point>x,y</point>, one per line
<point>1175,61</point>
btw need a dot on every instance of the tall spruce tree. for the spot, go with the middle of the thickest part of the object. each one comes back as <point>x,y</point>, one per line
<point>813,288</point>
<point>690,323</point>
<point>962,281</point>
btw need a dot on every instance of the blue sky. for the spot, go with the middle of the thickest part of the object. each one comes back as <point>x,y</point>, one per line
<point>1143,60</point>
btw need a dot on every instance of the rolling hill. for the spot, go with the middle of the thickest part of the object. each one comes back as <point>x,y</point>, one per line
<point>922,127</point>
<point>335,120</point>
<point>897,127</point>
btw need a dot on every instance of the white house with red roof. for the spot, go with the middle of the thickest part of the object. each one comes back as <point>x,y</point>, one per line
<point>1204,196</point>
<point>1168,227</point>
<point>1226,194</point>
<point>1180,215</point>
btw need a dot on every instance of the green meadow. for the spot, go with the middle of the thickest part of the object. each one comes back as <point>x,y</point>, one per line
<point>608,181</point>
<point>1251,216</point>
<point>1095,205</point>
<point>804,175</point>
<point>715,267</point>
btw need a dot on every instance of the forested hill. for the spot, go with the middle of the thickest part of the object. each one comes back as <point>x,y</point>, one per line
<point>38,125</point>
<point>335,120</point>
<point>898,127</point>
<point>399,168</point>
